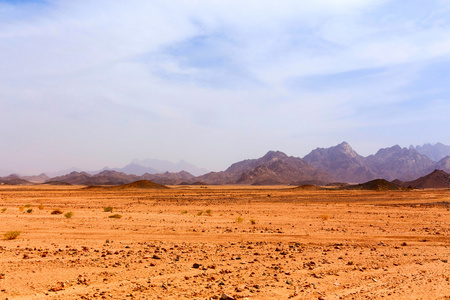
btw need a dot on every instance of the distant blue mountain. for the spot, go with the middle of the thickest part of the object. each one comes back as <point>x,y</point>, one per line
<point>435,152</point>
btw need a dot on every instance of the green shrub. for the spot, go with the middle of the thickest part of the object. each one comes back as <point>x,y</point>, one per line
<point>29,210</point>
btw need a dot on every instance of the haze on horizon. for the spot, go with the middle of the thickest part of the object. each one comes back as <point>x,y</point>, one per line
<point>99,83</point>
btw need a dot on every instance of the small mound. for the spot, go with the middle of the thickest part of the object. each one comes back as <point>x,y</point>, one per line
<point>308,187</point>
<point>140,184</point>
<point>94,187</point>
<point>375,185</point>
<point>57,183</point>
<point>338,184</point>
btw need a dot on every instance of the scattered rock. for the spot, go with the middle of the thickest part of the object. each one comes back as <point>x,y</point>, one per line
<point>226,297</point>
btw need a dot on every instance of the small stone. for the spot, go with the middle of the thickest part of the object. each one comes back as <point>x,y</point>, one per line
<point>226,297</point>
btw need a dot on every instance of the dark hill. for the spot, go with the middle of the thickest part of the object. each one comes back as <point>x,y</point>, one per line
<point>437,179</point>
<point>140,184</point>
<point>375,185</point>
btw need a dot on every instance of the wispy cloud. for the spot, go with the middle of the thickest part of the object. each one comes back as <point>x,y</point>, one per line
<point>101,83</point>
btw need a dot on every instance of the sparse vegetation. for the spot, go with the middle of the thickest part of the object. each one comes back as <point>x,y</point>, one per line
<point>11,235</point>
<point>108,209</point>
<point>239,219</point>
<point>184,212</point>
<point>115,216</point>
<point>28,205</point>
<point>21,208</point>
<point>68,215</point>
<point>3,209</point>
<point>200,213</point>
<point>41,206</point>
<point>56,212</point>
<point>208,212</point>
<point>29,210</point>
<point>325,217</point>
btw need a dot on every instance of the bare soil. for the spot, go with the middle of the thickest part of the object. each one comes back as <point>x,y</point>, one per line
<point>197,242</point>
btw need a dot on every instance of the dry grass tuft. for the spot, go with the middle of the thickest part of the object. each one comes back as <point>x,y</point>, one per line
<point>108,209</point>
<point>68,215</point>
<point>11,235</point>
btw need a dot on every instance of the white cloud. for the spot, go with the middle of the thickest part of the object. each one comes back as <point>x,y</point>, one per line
<point>152,73</point>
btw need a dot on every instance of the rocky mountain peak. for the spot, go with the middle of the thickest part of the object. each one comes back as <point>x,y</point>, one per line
<point>274,155</point>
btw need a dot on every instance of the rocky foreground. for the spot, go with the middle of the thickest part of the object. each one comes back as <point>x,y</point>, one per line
<point>224,243</point>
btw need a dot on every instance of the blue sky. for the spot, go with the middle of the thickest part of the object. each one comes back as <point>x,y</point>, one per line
<point>100,83</point>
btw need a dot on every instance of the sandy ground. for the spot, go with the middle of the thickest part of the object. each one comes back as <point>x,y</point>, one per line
<point>246,242</point>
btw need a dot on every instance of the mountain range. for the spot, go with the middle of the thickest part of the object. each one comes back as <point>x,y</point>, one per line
<point>435,152</point>
<point>321,166</point>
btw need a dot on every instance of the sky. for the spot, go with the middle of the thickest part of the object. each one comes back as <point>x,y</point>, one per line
<point>90,84</point>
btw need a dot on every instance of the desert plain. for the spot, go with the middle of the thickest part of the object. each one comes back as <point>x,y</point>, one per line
<point>205,242</point>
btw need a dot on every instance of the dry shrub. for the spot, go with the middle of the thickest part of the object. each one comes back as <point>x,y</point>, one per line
<point>41,206</point>
<point>184,212</point>
<point>208,212</point>
<point>56,212</point>
<point>3,209</point>
<point>239,219</point>
<point>108,209</point>
<point>68,215</point>
<point>29,210</point>
<point>252,221</point>
<point>325,217</point>
<point>21,208</point>
<point>11,235</point>
<point>200,213</point>
<point>115,216</point>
